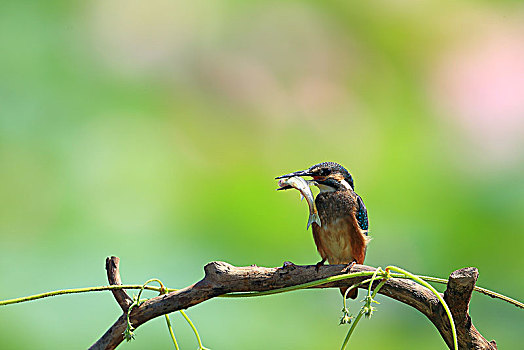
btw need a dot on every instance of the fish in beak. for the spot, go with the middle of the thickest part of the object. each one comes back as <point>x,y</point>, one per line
<point>287,182</point>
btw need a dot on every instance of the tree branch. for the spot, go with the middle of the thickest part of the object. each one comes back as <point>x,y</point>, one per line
<point>113,276</point>
<point>221,278</point>
<point>457,296</point>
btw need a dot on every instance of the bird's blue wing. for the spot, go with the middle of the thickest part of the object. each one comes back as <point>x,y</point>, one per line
<point>362,214</point>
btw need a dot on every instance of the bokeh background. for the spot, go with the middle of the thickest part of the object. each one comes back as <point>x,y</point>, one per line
<point>153,130</point>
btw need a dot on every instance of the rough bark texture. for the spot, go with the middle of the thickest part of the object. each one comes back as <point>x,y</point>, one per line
<point>113,276</point>
<point>457,296</point>
<point>221,278</point>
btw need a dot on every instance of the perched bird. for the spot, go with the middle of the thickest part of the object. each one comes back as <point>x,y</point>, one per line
<point>342,238</point>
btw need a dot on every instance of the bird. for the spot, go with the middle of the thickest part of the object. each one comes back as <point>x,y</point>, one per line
<point>343,236</point>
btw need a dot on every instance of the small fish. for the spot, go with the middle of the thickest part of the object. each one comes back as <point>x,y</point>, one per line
<point>305,192</point>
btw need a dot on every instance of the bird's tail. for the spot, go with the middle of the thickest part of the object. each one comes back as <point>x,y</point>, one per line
<point>352,294</point>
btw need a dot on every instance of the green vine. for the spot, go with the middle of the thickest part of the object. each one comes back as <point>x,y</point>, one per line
<point>246,294</point>
<point>366,310</point>
<point>129,334</point>
<point>437,294</point>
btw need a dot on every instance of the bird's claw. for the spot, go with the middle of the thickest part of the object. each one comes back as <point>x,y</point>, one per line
<point>349,266</point>
<point>288,264</point>
<point>318,264</point>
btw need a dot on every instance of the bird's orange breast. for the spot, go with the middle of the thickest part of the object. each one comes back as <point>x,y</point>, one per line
<point>340,240</point>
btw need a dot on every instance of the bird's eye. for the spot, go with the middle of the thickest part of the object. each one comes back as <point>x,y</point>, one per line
<point>325,172</point>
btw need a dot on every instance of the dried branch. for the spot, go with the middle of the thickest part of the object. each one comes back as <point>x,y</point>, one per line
<point>221,278</point>
<point>113,276</point>
<point>457,296</point>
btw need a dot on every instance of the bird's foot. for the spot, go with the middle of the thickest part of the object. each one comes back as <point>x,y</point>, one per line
<point>320,263</point>
<point>288,264</point>
<point>347,269</point>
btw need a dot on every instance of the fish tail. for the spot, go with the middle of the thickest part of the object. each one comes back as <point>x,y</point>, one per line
<point>313,218</point>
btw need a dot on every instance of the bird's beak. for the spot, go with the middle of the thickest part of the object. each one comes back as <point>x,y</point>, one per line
<point>296,173</point>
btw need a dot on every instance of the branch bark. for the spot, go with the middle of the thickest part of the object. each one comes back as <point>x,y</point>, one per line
<point>221,278</point>
<point>113,276</point>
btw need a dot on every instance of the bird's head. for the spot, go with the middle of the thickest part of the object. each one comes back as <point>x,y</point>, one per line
<point>328,176</point>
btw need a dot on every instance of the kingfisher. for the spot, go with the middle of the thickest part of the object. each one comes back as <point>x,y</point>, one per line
<point>342,237</point>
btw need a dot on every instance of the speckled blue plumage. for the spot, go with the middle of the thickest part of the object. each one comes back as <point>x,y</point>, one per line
<point>362,214</point>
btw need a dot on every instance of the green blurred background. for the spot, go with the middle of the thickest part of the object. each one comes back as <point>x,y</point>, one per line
<point>153,130</point>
